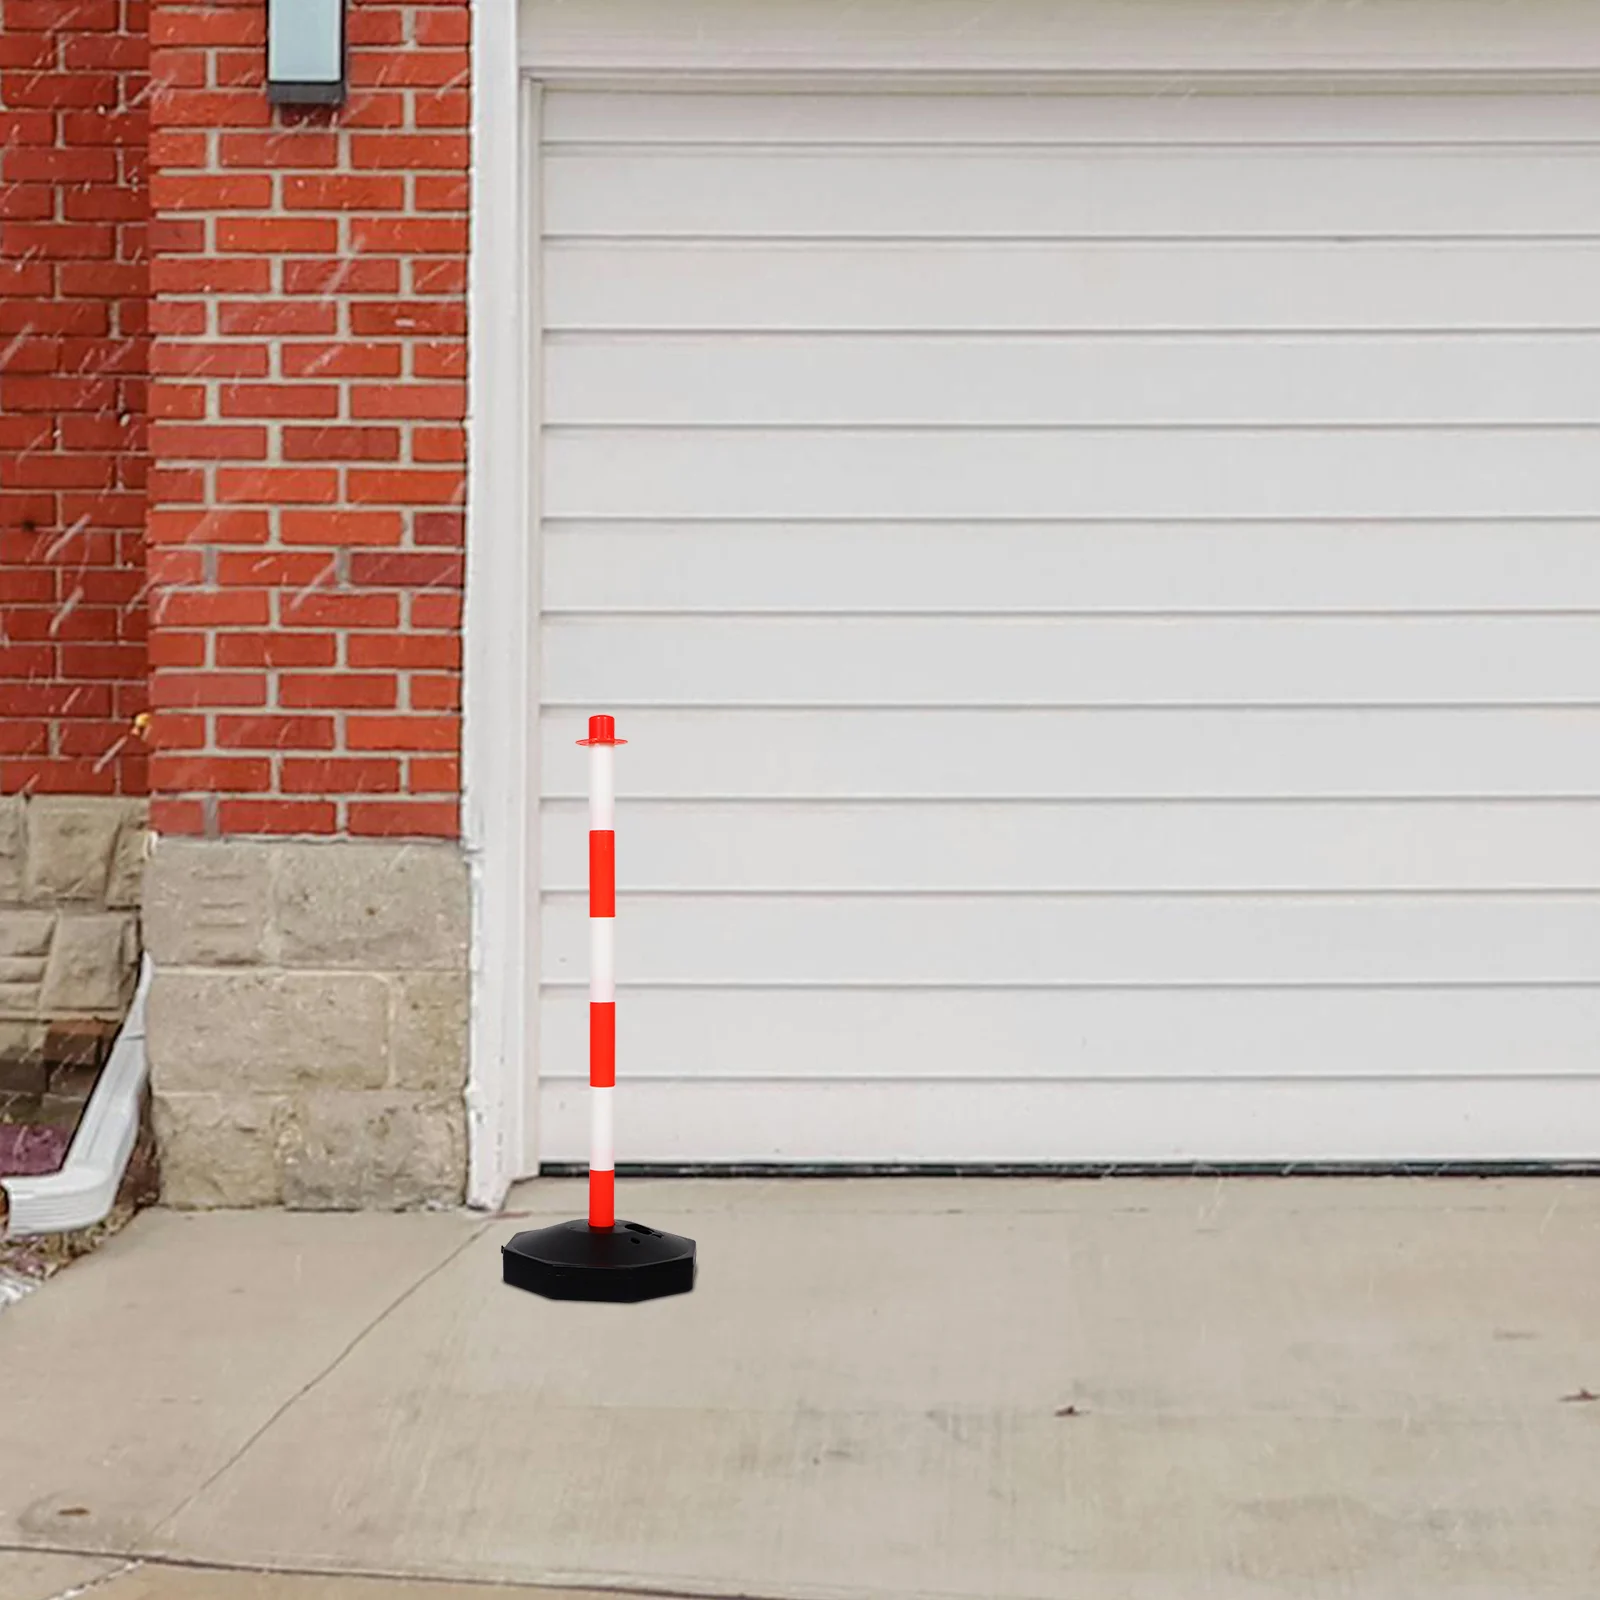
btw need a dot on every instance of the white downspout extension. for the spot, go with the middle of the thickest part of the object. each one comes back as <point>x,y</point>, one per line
<point>84,1190</point>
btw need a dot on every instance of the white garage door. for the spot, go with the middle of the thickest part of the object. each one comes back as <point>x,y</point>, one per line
<point>1102,590</point>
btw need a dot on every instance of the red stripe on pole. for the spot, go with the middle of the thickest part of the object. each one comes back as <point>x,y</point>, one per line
<point>602,1044</point>
<point>602,1199</point>
<point>602,873</point>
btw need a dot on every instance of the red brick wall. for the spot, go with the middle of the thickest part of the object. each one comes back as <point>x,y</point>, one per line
<point>308,271</point>
<point>73,302</point>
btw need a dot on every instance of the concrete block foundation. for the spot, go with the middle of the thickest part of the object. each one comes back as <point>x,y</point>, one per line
<point>308,1022</point>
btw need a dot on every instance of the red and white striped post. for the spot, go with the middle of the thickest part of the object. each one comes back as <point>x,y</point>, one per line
<point>602,743</point>
<point>597,1258</point>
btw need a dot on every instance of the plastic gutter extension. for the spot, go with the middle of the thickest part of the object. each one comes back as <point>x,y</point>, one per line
<point>84,1190</point>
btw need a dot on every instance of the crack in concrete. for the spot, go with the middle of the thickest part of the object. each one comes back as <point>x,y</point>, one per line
<point>316,1378</point>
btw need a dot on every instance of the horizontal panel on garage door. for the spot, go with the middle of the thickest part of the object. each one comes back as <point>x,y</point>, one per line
<point>944,757</point>
<point>1011,567</point>
<point>1269,1121</point>
<point>994,117</point>
<point>1073,661</point>
<point>764,191</point>
<point>741,473</point>
<point>820,286</point>
<point>899,40</point>
<point>1080,1035</point>
<point>956,941</point>
<point>709,847</point>
<point>853,379</point>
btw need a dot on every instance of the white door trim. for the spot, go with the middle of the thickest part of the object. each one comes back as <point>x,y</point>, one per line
<point>500,691</point>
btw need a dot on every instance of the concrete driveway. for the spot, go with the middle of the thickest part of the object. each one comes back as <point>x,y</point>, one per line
<point>990,1388</point>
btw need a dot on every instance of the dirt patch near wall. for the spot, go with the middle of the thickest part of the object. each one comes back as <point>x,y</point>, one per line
<point>25,1263</point>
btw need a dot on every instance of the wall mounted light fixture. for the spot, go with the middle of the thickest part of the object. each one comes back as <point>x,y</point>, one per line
<point>305,52</point>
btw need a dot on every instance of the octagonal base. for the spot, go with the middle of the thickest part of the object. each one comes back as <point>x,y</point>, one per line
<point>572,1261</point>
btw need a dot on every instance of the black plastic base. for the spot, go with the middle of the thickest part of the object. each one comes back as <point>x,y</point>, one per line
<point>572,1261</point>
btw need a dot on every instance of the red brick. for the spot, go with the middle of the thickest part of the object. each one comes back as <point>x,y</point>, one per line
<point>177,818</point>
<point>277,235</point>
<point>102,661</point>
<point>280,150</point>
<point>433,775</point>
<point>441,26</point>
<point>58,241</point>
<point>318,609</point>
<point>441,193</point>
<point>208,689</point>
<point>402,733</point>
<point>341,444</point>
<point>180,236</point>
<point>436,276</point>
<point>169,649</point>
<point>209,360</point>
<point>374,108</point>
<point>178,400</point>
<point>407,569</point>
<point>338,691</point>
<point>101,127</point>
<point>104,280</point>
<point>345,276</point>
<point>277,485</point>
<point>234,26</point>
<point>407,652</point>
<point>217,108</point>
<point>185,191</point>
<point>27,50</point>
<point>27,201</point>
<point>27,165</point>
<point>409,69</point>
<point>345,360</point>
<point>341,528</point>
<point>297,569</point>
<point>276,649</point>
<point>24,737</point>
<point>208,275</point>
<point>176,317</point>
<point>386,319</point>
<point>252,318</point>
<point>210,608</point>
<point>176,564</point>
<point>342,192</point>
<point>233,774</point>
<point>431,445</point>
<point>443,108</point>
<point>56,394</point>
<point>86,317</point>
<point>179,69</point>
<point>175,147</point>
<point>404,486</point>
<point>208,442</point>
<point>233,68</point>
<point>279,400</point>
<point>129,53</point>
<point>415,152</point>
<point>410,401</point>
<point>277,816</point>
<point>417,819</point>
<point>214,525</point>
<point>59,90</point>
<point>420,236</point>
<point>45,16</point>
<point>371,24</point>
<point>349,775</point>
<point>275,733</point>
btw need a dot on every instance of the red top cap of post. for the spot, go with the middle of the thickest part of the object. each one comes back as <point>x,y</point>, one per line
<point>602,730</point>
